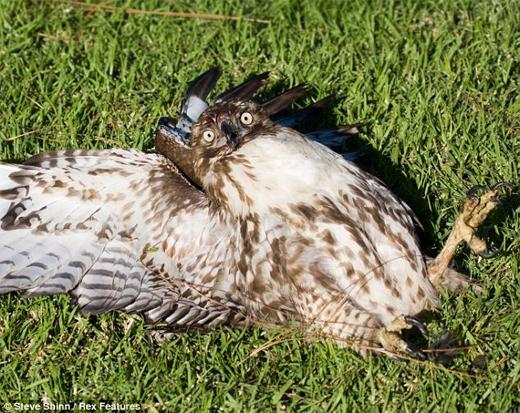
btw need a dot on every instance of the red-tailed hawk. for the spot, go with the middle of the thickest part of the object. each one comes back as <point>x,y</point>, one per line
<point>283,230</point>
<point>124,230</point>
<point>173,138</point>
<point>329,238</point>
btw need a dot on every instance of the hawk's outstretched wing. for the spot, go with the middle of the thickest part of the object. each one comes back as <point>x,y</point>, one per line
<point>80,222</point>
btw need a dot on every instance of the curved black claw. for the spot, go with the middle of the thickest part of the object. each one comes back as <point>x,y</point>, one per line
<point>444,349</point>
<point>416,354</point>
<point>414,322</point>
<point>490,254</point>
<point>472,192</point>
<point>502,184</point>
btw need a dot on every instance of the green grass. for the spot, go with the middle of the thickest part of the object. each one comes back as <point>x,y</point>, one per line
<point>438,84</point>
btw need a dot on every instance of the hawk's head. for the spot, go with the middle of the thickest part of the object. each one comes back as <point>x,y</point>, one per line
<point>225,127</point>
<point>250,165</point>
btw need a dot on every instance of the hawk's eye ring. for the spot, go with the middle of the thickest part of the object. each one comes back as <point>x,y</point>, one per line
<point>246,118</point>
<point>208,135</point>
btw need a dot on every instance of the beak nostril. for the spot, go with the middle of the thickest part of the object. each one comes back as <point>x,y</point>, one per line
<point>231,134</point>
<point>167,121</point>
<point>227,128</point>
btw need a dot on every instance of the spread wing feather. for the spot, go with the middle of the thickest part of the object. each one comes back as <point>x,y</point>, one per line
<point>308,115</point>
<point>195,100</point>
<point>74,222</point>
<point>283,101</point>
<point>245,90</point>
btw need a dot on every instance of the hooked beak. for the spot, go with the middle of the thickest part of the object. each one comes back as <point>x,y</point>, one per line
<point>231,134</point>
<point>167,129</point>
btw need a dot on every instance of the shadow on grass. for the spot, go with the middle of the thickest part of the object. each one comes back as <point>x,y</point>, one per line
<point>14,160</point>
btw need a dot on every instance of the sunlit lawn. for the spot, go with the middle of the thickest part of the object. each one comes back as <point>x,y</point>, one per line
<point>438,87</point>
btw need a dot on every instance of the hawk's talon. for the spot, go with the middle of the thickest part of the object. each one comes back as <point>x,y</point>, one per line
<point>474,212</point>
<point>416,354</point>
<point>391,340</point>
<point>420,325</point>
<point>472,192</point>
<point>502,184</point>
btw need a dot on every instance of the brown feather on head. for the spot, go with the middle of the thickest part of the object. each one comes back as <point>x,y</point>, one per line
<point>222,129</point>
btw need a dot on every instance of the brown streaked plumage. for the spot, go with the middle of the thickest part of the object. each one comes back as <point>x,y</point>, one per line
<point>364,278</point>
<point>284,230</point>
<point>172,138</point>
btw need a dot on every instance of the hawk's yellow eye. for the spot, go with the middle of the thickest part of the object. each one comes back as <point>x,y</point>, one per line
<point>208,135</point>
<point>246,118</point>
